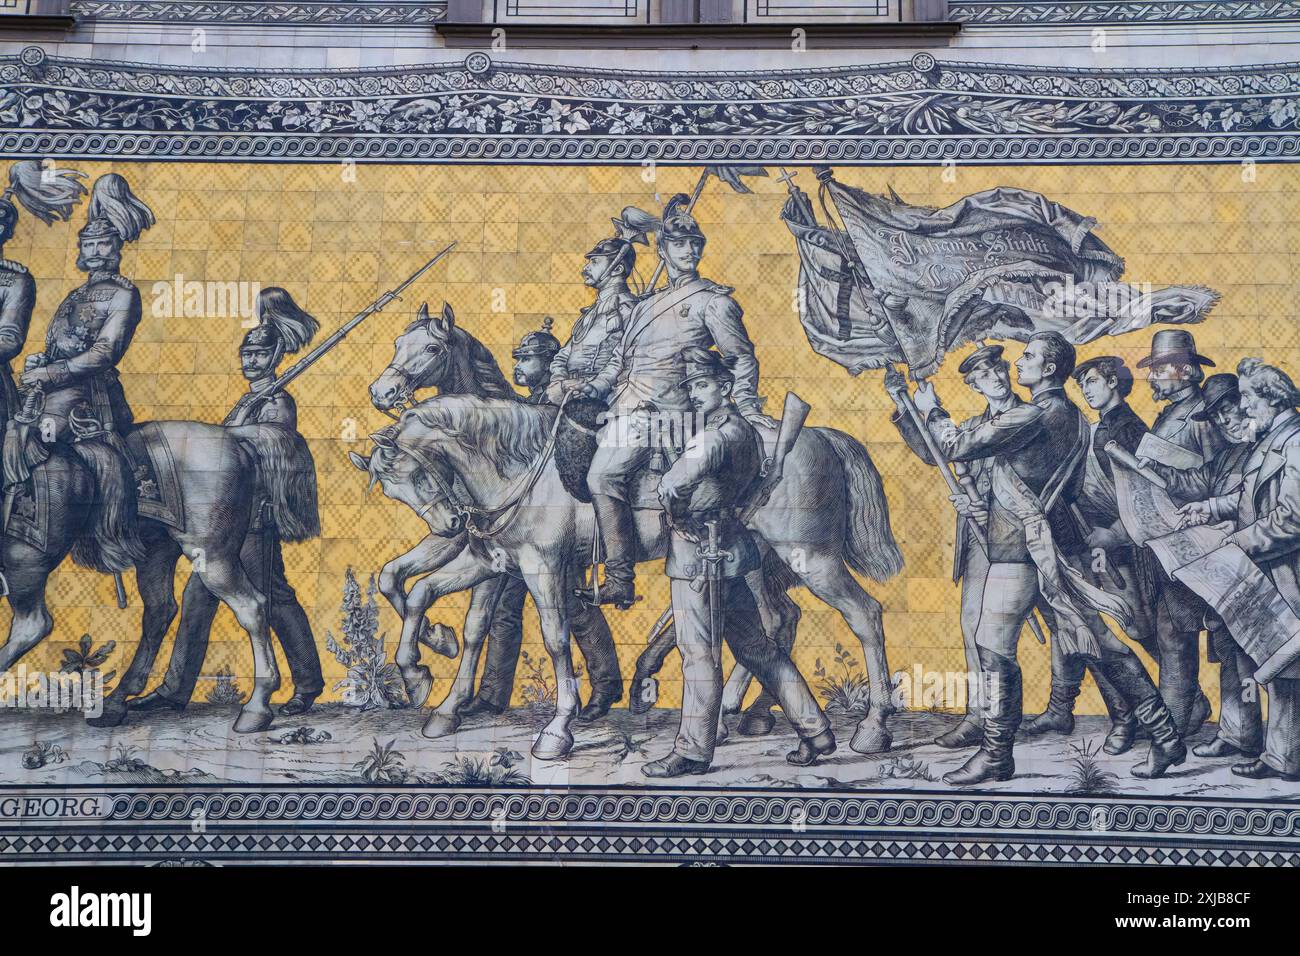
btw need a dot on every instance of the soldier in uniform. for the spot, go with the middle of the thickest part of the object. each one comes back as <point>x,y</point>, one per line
<point>600,325</point>
<point>1106,382</point>
<point>1241,728</point>
<point>283,329</point>
<point>644,373</point>
<point>1265,509</point>
<point>1036,450</point>
<point>709,553</point>
<point>1175,373</point>
<point>534,359</point>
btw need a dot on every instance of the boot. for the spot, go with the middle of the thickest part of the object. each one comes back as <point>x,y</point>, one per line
<point>618,535</point>
<point>810,748</point>
<point>1132,681</point>
<point>994,761</point>
<point>674,765</point>
<point>155,701</point>
<point>299,703</point>
<point>1123,722</point>
<point>1058,718</point>
<point>966,734</point>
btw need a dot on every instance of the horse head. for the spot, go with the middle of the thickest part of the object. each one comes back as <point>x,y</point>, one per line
<point>420,479</point>
<point>422,358</point>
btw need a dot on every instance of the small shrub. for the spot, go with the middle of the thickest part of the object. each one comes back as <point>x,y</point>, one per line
<point>847,692</point>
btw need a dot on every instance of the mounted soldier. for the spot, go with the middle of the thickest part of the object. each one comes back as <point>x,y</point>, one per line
<point>600,325</point>
<point>533,358</point>
<point>710,551</point>
<point>643,375</point>
<point>73,388</point>
<point>266,417</point>
<point>48,194</point>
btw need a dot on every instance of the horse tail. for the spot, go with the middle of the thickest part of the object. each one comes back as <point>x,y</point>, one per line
<point>110,543</point>
<point>286,475</point>
<point>869,539</point>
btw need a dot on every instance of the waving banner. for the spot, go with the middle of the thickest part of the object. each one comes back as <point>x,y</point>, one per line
<point>999,264</point>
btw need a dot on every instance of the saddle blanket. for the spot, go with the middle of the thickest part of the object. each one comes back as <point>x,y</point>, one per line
<point>157,479</point>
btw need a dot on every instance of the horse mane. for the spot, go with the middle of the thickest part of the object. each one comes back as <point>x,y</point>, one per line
<point>485,376</point>
<point>509,433</point>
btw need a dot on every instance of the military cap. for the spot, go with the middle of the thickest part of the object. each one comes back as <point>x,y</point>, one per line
<point>985,355</point>
<point>699,362</point>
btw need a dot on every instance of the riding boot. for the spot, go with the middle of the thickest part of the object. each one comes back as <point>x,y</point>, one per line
<point>618,535</point>
<point>1134,683</point>
<point>994,759</point>
<point>1123,722</point>
<point>1059,716</point>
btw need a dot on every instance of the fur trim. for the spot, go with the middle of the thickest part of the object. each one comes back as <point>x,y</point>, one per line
<point>110,543</point>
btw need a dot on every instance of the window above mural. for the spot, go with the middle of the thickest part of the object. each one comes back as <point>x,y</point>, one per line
<point>665,12</point>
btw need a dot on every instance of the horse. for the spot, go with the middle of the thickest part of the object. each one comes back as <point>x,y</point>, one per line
<point>827,514</point>
<point>436,353</point>
<point>218,474</point>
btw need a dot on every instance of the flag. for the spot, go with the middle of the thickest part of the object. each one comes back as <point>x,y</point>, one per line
<point>999,264</point>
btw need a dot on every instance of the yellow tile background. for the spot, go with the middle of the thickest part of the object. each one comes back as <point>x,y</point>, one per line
<point>337,244</point>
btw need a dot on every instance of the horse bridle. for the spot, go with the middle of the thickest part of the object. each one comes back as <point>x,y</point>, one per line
<point>404,392</point>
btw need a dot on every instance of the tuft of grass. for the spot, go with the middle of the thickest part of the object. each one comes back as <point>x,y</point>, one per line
<point>1087,777</point>
<point>384,763</point>
<point>477,772</point>
<point>845,689</point>
<point>225,689</point>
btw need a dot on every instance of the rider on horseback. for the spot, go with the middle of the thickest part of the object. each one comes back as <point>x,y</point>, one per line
<point>645,371</point>
<point>80,400</point>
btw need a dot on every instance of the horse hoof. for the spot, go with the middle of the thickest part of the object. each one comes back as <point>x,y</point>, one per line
<point>419,684</point>
<point>871,737</point>
<point>756,724</point>
<point>552,746</point>
<point>112,716</point>
<point>439,638</point>
<point>440,725</point>
<point>253,721</point>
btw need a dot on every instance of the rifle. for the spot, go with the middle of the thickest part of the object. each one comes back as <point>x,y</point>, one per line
<point>312,357</point>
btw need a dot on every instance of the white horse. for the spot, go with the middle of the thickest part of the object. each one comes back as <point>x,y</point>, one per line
<point>826,514</point>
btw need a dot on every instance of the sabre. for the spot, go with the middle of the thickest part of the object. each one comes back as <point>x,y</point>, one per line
<point>312,357</point>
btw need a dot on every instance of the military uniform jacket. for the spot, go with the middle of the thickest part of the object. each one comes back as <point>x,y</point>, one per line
<point>713,476</point>
<point>595,336</point>
<point>280,409</point>
<point>87,337</point>
<point>17,298</point>
<point>1036,439</point>
<point>1175,424</point>
<point>979,471</point>
<point>646,366</point>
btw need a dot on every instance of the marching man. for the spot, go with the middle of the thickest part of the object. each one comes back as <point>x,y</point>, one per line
<point>708,556</point>
<point>283,329</point>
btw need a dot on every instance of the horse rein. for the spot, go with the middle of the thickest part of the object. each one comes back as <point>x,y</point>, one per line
<point>469,512</point>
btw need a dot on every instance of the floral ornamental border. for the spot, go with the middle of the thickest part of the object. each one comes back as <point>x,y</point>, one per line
<point>235,12</point>
<point>342,824</point>
<point>1118,12</point>
<point>915,111</point>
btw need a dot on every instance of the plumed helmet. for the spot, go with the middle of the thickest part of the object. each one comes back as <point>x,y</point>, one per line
<point>282,324</point>
<point>677,222</point>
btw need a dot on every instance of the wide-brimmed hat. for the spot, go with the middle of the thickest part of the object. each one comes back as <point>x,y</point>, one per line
<point>1217,390</point>
<point>1173,346</point>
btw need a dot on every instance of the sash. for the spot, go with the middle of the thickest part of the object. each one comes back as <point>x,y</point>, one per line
<point>667,303</point>
<point>1066,590</point>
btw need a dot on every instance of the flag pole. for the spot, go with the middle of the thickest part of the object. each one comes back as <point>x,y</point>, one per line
<point>824,175</point>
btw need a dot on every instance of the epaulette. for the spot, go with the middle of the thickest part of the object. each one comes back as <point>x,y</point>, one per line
<point>10,266</point>
<point>717,288</point>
